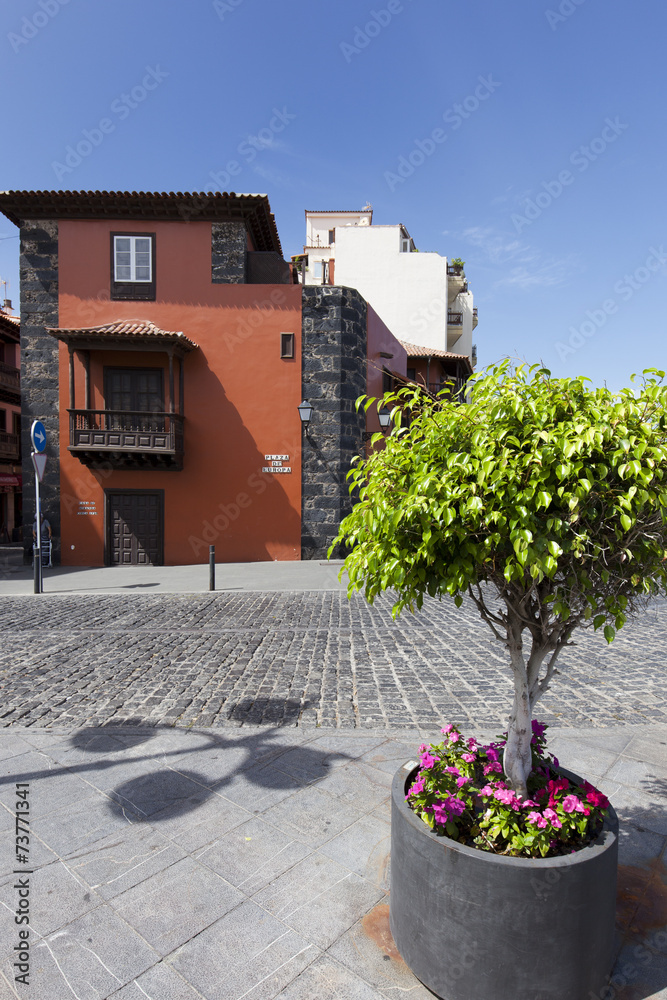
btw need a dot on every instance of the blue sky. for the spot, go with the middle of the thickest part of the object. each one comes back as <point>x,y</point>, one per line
<point>527,138</point>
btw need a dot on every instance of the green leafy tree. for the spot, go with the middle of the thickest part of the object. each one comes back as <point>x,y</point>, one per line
<point>543,499</point>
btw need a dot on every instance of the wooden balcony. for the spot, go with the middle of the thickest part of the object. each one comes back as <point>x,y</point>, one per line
<point>127,439</point>
<point>454,319</point>
<point>10,382</point>
<point>10,447</point>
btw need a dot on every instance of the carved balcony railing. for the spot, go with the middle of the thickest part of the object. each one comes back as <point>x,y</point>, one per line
<point>127,439</point>
<point>10,379</point>
<point>10,447</point>
<point>454,319</point>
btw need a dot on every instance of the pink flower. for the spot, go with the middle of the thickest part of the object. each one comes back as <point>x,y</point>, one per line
<point>448,728</point>
<point>528,804</point>
<point>537,819</point>
<point>572,804</point>
<point>461,781</point>
<point>456,807</point>
<point>507,797</point>
<point>494,768</point>
<point>453,770</point>
<point>472,743</point>
<point>553,818</point>
<point>423,748</point>
<point>491,753</point>
<point>469,758</point>
<point>428,760</point>
<point>487,790</point>
<point>416,787</point>
<point>454,737</point>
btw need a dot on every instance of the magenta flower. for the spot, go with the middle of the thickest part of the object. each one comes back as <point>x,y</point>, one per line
<point>453,770</point>
<point>416,787</point>
<point>461,781</point>
<point>448,728</point>
<point>538,729</point>
<point>538,819</point>
<point>553,818</point>
<point>428,760</point>
<point>494,768</point>
<point>572,804</point>
<point>469,758</point>
<point>454,737</point>
<point>529,804</point>
<point>506,796</point>
<point>486,791</point>
<point>472,743</point>
<point>456,807</point>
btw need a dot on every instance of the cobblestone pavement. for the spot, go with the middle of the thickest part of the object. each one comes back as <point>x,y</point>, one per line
<point>291,658</point>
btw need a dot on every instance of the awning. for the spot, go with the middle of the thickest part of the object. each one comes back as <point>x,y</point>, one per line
<point>9,480</point>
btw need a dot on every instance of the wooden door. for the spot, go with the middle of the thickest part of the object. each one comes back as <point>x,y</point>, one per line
<point>135,527</point>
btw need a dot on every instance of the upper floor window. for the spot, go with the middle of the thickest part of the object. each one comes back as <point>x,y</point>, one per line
<point>332,237</point>
<point>133,265</point>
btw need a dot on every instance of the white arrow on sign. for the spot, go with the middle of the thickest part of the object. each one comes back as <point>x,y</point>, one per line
<point>39,463</point>
<point>40,437</point>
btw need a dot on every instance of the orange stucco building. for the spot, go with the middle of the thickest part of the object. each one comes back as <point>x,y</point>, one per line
<point>166,348</point>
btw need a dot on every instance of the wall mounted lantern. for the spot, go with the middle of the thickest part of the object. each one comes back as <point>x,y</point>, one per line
<point>384,416</point>
<point>305,413</point>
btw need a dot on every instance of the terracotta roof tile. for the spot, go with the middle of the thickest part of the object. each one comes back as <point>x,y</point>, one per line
<point>253,209</point>
<point>132,330</point>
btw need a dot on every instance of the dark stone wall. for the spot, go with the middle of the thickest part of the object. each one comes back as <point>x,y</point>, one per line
<point>228,253</point>
<point>39,371</point>
<point>334,339</point>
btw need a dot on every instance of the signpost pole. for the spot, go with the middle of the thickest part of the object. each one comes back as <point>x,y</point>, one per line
<point>37,555</point>
<point>38,438</point>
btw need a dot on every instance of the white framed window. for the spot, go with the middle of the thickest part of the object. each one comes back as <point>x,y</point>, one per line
<point>133,258</point>
<point>317,269</point>
<point>133,266</point>
<point>405,246</point>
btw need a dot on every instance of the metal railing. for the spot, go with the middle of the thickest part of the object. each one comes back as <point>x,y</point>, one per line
<point>454,319</point>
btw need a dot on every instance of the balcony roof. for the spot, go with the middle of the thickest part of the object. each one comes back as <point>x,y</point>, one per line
<point>123,334</point>
<point>10,327</point>
<point>417,351</point>
<point>208,206</point>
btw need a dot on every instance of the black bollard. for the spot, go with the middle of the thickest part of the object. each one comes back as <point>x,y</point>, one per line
<point>211,567</point>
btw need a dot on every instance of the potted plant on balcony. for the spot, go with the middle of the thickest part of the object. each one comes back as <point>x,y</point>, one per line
<point>545,502</point>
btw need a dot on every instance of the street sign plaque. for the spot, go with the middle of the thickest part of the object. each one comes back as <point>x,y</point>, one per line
<point>38,435</point>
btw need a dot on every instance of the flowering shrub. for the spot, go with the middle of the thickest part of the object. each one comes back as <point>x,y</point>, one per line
<point>460,790</point>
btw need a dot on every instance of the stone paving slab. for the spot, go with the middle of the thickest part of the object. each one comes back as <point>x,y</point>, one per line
<point>284,902</point>
<point>309,658</point>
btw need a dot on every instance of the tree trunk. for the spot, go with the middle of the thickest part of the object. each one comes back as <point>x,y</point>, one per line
<point>517,759</point>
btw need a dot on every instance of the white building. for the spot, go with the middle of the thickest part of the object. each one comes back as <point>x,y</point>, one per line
<point>421,297</point>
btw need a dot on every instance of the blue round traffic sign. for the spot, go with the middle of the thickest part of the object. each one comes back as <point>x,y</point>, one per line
<point>38,435</point>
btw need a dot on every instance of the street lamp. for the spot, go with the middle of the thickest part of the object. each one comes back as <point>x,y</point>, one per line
<point>305,413</point>
<point>384,416</point>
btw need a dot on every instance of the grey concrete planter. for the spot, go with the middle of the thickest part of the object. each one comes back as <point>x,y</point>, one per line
<point>476,926</point>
